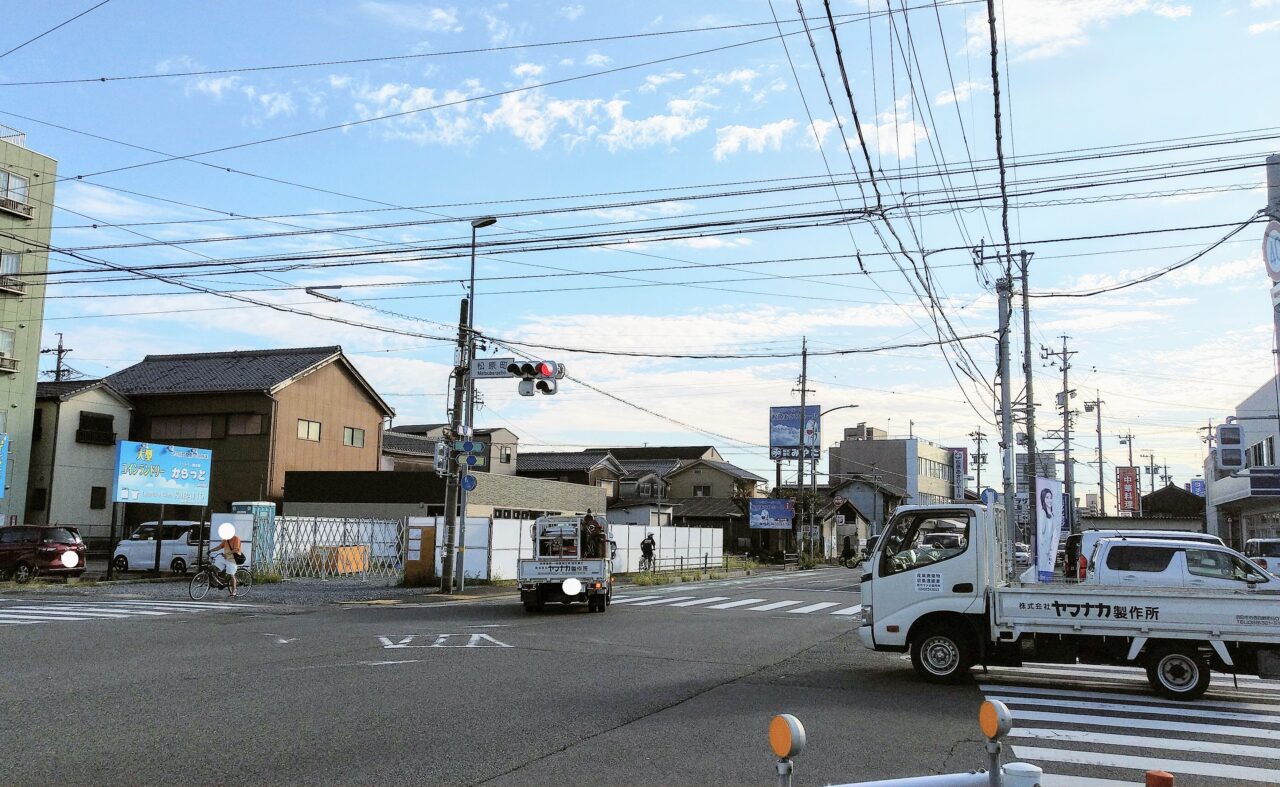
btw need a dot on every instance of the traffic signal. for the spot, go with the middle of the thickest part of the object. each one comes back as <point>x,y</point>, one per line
<point>442,458</point>
<point>1229,452</point>
<point>537,376</point>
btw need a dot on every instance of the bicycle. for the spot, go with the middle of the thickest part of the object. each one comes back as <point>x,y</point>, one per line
<point>211,576</point>
<point>646,563</point>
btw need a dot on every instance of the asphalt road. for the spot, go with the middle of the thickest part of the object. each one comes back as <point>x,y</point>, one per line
<point>673,685</point>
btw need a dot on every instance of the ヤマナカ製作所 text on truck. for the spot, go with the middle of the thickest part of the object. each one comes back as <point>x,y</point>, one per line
<point>960,604</point>
<point>572,562</point>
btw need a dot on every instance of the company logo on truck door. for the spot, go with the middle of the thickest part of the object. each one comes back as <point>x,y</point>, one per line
<point>1114,611</point>
<point>928,582</point>
<point>562,568</point>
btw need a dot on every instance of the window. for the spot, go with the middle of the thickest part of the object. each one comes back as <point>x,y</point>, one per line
<point>7,338</point>
<point>37,426</point>
<point>60,535</point>
<point>97,497</point>
<point>505,454</point>
<point>10,263</point>
<point>1261,454</point>
<point>921,539</point>
<point>96,429</point>
<point>11,535</point>
<point>38,499</point>
<point>1221,565</point>
<point>610,488</point>
<point>308,430</point>
<point>350,436</point>
<point>702,491</point>
<point>244,423</point>
<point>182,427</point>
<point>645,490</point>
<point>13,187</point>
<point>1149,559</point>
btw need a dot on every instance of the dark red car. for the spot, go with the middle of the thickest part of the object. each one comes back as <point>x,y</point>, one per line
<point>28,550</point>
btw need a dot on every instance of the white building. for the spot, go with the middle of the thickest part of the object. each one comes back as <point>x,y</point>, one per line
<point>1247,504</point>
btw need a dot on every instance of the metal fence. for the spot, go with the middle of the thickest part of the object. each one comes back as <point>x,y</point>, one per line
<point>328,548</point>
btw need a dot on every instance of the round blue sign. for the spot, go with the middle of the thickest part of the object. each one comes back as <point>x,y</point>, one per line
<point>988,496</point>
<point>468,482</point>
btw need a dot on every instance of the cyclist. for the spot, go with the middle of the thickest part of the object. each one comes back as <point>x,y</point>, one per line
<point>227,561</point>
<point>646,551</point>
<point>848,555</point>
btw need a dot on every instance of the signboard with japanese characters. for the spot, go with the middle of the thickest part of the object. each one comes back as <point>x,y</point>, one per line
<point>1127,489</point>
<point>165,474</point>
<point>786,425</point>
<point>959,469</point>
<point>482,368</point>
<point>771,513</point>
<point>1049,520</point>
<point>928,582</point>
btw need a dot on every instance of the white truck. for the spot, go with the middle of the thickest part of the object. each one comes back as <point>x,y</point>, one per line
<point>957,606</point>
<point>572,562</point>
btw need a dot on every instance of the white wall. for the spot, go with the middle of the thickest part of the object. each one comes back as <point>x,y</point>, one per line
<point>80,466</point>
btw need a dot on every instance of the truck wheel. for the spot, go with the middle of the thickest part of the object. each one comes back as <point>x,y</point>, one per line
<point>1178,672</point>
<point>942,654</point>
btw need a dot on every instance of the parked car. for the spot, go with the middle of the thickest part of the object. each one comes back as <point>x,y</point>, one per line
<point>1151,562</point>
<point>1021,554</point>
<point>179,547</point>
<point>29,550</point>
<point>1264,551</point>
<point>1080,546</point>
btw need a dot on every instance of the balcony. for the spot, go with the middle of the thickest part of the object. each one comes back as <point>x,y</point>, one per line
<point>95,437</point>
<point>8,365</point>
<point>17,208</point>
<point>14,285</point>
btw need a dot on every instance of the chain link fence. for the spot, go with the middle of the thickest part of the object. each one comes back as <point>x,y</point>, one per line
<point>330,548</point>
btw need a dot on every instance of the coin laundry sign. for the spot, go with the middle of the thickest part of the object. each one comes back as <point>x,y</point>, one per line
<point>165,474</point>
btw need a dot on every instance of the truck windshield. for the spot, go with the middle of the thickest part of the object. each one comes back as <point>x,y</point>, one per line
<point>1263,549</point>
<point>922,539</point>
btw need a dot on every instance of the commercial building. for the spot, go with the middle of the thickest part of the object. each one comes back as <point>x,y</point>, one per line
<point>922,468</point>
<point>26,216</point>
<point>1246,504</point>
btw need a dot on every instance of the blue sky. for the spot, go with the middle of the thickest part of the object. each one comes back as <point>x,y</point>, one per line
<point>1076,76</point>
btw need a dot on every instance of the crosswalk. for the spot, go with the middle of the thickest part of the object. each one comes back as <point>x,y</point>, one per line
<point>15,612</point>
<point>1102,726</point>
<point>698,603</point>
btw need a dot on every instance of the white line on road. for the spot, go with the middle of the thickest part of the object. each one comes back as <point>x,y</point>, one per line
<point>632,599</point>
<point>856,609</point>
<point>1147,724</point>
<point>775,605</point>
<point>1144,710</point>
<point>113,611</point>
<point>20,618</point>
<point>741,603</point>
<point>698,601</point>
<point>1056,780</point>
<point>1216,769</point>
<point>1144,742</point>
<point>814,607</point>
<point>1173,705</point>
<point>662,600</point>
<point>183,604</point>
<point>61,614</point>
<point>1137,673</point>
<point>385,663</point>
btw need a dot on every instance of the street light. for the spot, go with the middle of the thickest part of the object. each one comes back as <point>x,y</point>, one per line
<point>312,291</point>
<point>813,475</point>
<point>460,554</point>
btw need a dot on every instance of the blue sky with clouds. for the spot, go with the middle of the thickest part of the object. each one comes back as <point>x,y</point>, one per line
<point>692,114</point>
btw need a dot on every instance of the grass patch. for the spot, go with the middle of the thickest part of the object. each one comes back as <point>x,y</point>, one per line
<point>650,578</point>
<point>690,576</point>
<point>267,578</point>
<point>809,561</point>
<point>717,575</point>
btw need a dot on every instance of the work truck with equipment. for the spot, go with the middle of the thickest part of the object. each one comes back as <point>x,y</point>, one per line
<point>572,562</point>
<point>959,602</point>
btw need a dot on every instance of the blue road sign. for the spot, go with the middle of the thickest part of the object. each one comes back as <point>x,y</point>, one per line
<point>988,496</point>
<point>469,482</point>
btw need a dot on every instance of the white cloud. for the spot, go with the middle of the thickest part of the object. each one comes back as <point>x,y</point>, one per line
<point>106,205</point>
<point>571,12</point>
<point>626,134</point>
<point>532,117</point>
<point>962,93</point>
<point>214,86</point>
<point>339,81</point>
<point>1045,28</point>
<point>654,81</point>
<point>1264,27</point>
<point>452,125</point>
<point>731,139</point>
<point>525,70</point>
<point>277,104</point>
<point>740,76</point>
<point>1262,3</point>
<point>895,133</point>
<point>414,16</point>
<point>597,59</point>
<point>776,86</point>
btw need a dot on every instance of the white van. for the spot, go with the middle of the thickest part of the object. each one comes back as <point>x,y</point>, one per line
<point>1163,562</point>
<point>1264,551</point>
<point>178,548</point>
<point>1080,545</point>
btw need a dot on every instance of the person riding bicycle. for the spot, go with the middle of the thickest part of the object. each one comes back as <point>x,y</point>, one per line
<point>646,550</point>
<point>847,554</point>
<point>230,556</point>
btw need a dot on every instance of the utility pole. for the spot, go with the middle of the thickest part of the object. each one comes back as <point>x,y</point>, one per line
<point>1096,407</point>
<point>1008,441</point>
<point>1127,439</point>
<point>1273,212</point>
<point>1150,467</point>
<point>61,371</point>
<point>1028,372</point>
<point>1063,357</point>
<point>1165,476</point>
<point>453,478</point>
<point>979,458</point>
<point>804,390</point>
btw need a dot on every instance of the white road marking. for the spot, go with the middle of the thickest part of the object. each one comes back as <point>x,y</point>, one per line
<point>740,603</point>
<point>662,600</point>
<point>115,611</point>
<point>1136,673</point>
<point>814,607</point>
<point>385,663</point>
<point>856,609</point>
<point>1144,742</point>
<point>182,604</point>
<point>698,601</point>
<point>60,614</point>
<point>775,605</point>
<point>21,618</point>
<point>1174,706</point>
<point>1189,767</point>
<point>1147,724</point>
<point>1055,780</point>
<point>1142,710</point>
<point>631,599</point>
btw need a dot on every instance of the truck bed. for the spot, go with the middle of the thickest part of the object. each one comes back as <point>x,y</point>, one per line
<point>552,569</point>
<point>1109,610</point>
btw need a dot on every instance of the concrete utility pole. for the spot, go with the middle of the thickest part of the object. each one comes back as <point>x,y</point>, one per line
<point>804,390</point>
<point>1150,468</point>
<point>1096,407</point>
<point>1273,211</point>
<point>1008,441</point>
<point>451,487</point>
<point>979,459</point>
<point>1068,468</point>
<point>1127,439</point>
<point>1165,476</point>
<point>1029,372</point>
<point>60,370</point>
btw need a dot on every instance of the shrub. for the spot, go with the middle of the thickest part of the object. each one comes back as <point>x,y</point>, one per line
<point>650,578</point>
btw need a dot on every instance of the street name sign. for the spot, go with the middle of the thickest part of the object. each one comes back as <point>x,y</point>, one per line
<point>483,368</point>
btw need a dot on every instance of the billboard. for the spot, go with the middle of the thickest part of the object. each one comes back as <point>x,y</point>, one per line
<point>1196,487</point>
<point>959,469</point>
<point>771,513</point>
<point>1127,490</point>
<point>165,474</point>
<point>4,462</point>
<point>785,427</point>
<point>1049,523</point>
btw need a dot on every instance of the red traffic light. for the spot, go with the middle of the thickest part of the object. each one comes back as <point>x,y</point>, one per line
<point>546,369</point>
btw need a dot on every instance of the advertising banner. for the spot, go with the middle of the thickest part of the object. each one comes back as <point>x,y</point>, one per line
<point>785,428</point>
<point>165,474</point>
<point>1049,519</point>
<point>1127,489</point>
<point>1196,487</point>
<point>959,469</point>
<point>4,462</point>
<point>771,513</point>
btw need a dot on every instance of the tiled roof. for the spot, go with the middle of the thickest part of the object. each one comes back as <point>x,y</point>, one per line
<point>724,467</point>
<point>650,453</point>
<point>661,467</point>
<point>52,390</point>
<point>408,444</point>
<point>418,429</point>
<point>705,507</point>
<point>549,461</point>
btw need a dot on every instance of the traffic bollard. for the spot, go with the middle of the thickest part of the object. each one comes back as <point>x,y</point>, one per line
<point>1159,779</point>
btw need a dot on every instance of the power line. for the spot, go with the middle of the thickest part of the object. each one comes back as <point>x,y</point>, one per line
<point>55,27</point>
